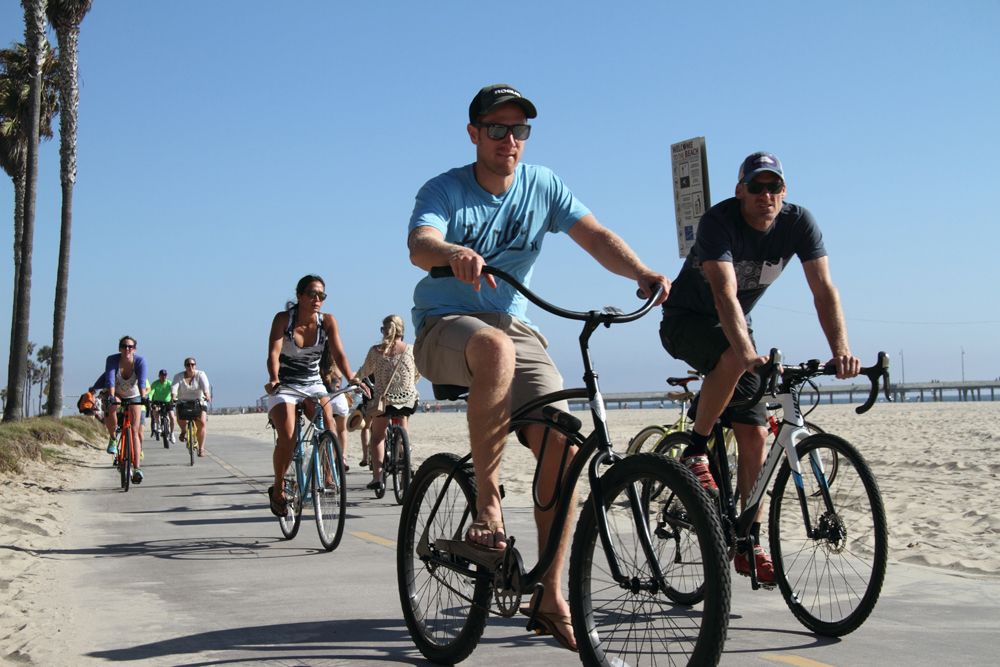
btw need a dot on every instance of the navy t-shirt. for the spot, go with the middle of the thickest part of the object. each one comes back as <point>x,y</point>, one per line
<point>758,258</point>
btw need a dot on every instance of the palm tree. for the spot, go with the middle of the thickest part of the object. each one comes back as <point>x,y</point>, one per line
<point>65,16</point>
<point>14,103</point>
<point>34,33</point>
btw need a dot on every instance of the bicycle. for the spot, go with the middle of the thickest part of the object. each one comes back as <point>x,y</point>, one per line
<point>165,428</point>
<point>827,530</point>
<point>317,472</point>
<point>622,570</point>
<point>397,462</point>
<point>190,412</point>
<point>125,458</point>
<point>654,433</point>
<point>650,438</point>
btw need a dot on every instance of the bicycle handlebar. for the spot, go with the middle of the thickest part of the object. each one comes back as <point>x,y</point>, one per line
<point>792,376</point>
<point>608,316</point>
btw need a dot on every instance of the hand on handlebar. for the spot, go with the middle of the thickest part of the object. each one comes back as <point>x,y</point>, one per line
<point>271,387</point>
<point>467,265</point>
<point>845,365</point>
<point>649,282</point>
<point>362,387</point>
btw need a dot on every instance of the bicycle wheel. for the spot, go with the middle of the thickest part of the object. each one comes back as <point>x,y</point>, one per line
<point>125,452</point>
<point>293,518</point>
<point>329,491</point>
<point>647,439</point>
<point>445,609</point>
<point>190,437</point>
<point>165,430</point>
<point>832,580</point>
<point>640,622</point>
<point>401,471</point>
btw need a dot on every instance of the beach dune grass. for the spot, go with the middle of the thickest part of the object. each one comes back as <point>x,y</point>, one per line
<point>34,439</point>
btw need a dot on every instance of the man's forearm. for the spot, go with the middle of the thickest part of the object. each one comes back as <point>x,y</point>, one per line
<point>427,251</point>
<point>831,319</point>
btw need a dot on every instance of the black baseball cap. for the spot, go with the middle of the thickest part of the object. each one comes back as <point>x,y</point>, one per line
<point>492,96</point>
<point>163,371</point>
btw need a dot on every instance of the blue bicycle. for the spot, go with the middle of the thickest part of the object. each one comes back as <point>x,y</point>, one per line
<point>317,473</point>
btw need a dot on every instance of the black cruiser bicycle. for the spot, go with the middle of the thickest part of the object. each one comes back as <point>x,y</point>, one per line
<point>624,560</point>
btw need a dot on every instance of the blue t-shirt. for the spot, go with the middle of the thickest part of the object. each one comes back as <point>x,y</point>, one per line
<point>758,258</point>
<point>506,230</point>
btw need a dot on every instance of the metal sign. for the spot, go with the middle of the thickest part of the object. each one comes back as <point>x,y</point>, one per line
<point>689,164</point>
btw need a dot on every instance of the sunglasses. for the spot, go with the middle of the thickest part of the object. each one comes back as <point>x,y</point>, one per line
<point>499,131</point>
<point>756,187</point>
<point>313,294</point>
<point>191,363</point>
<point>127,347</point>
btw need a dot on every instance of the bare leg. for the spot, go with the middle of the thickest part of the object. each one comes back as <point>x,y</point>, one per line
<point>201,425</point>
<point>283,418</point>
<point>553,603</point>
<point>717,390</point>
<point>750,445</point>
<point>365,447</point>
<point>377,450</point>
<point>340,430</point>
<point>491,358</point>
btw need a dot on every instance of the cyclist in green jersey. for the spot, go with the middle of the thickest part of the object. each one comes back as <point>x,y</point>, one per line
<point>159,391</point>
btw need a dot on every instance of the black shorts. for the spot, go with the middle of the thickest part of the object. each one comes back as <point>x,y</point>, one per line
<point>401,410</point>
<point>699,341</point>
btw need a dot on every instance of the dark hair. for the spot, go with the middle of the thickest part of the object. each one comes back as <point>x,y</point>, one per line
<point>304,281</point>
<point>121,341</point>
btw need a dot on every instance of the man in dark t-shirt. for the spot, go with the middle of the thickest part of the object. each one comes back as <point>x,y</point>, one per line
<point>742,246</point>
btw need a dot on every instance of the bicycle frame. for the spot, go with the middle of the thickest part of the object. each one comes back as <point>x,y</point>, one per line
<point>792,430</point>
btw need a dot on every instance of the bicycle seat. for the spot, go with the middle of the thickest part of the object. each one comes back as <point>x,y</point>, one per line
<point>681,382</point>
<point>450,392</point>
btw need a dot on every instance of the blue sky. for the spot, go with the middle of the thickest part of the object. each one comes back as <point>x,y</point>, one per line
<point>227,148</point>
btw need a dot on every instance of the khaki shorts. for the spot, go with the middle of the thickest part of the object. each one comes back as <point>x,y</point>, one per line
<point>439,351</point>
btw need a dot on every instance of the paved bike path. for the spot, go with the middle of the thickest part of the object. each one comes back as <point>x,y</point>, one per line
<point>190,569</point>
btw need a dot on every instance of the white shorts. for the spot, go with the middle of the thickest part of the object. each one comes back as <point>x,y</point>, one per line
<point>338,404</point>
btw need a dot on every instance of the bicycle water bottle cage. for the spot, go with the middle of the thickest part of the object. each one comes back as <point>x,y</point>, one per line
<point>450,392</point>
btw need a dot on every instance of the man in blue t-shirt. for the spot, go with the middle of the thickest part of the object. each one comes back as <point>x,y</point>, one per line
<point>742,245</point>
<point>497,211</point>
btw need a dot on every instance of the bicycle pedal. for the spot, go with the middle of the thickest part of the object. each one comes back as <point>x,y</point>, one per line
<point>470,552</point>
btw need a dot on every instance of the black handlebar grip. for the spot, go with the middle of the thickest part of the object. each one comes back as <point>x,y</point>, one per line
<point>442,272</point>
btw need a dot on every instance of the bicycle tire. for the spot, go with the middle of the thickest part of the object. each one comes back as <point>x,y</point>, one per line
<point>401,471</point>
<point>190,437</point>
<point>329,497</point>
<point>165,429</point>
<point>290,522</point>
<point>125,452</point>
<point>686,587</point>
<point>445,611</point>
<point>832,581</point>
<point>607,615</point>
<point>647,439</point>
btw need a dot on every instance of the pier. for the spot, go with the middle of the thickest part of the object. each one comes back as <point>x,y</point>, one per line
<point>973,390</point>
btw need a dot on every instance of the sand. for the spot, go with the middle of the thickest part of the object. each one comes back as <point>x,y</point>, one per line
<point>937,464</point>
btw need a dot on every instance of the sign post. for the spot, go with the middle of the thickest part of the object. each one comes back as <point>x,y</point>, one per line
<point>689,165</point>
